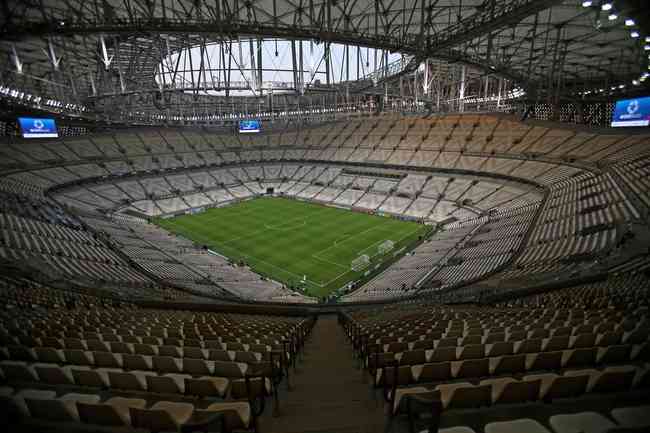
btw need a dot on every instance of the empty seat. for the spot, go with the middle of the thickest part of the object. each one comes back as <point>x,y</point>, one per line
<point>167,364</point>
<point>108,359</point>
<point>544,361</point>
<point>19,399</point>
<point>113,412</point>
<point>206,386</point>
<point>431,372</point>
<point>441,354</point>
<point>632,417</point>
<point>163,415</point>
<point>613,354</point>
<point>58,409</point>
<point>508,390</point>
<point>584,422</point>
<point>79,357</point>
<point>237,414</point>
<point>471,351</point>
<point>167,384</point>
<point>499,348</point>
<point>470,368</point>
<point>132,380</point>
<point>579,357</point>
<point>517,426</point>
<point>49,355</point>
<point>195,352</point>
<point>53,374</point>
<point>464,395</point>
<point>95,377</point>
<point>508,364</point>
<point>412,357</point>
<point>553,386</point>
<point>136,362</point>
<point>18,371</point>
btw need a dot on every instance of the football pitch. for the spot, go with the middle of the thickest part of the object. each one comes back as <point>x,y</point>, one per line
<point>298,243</point>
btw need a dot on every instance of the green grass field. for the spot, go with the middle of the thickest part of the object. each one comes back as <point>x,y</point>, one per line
<point>287,239</point>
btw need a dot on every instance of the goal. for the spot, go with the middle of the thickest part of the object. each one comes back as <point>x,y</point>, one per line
<point>386,247</point>
<point>360,263</point>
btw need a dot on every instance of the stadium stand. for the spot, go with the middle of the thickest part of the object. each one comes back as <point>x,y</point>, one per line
<point>541,241</point>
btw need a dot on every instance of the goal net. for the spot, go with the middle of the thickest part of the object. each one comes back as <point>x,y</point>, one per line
<point>360,263</point>
<point>386,246</point>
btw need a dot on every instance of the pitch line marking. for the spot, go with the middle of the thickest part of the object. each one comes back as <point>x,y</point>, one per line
<point>276,267</point>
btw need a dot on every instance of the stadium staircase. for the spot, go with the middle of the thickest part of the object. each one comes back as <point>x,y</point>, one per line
<point>328,394</point>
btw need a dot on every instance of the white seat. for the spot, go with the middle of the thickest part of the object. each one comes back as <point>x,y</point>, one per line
<point>524,425</point>
<point>459,429</point>
<point>583,422</point>
<point>632,416</point>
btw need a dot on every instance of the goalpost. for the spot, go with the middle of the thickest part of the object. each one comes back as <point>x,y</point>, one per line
<point>360,263</point>
<point>385,247</point>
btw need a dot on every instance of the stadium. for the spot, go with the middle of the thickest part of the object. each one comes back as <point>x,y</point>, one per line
<point>334,216</point>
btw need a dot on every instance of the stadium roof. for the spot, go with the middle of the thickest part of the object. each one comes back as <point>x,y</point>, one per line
<point>96,55</point>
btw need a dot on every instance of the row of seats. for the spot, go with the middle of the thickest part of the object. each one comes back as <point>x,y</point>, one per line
<point>117,411</point>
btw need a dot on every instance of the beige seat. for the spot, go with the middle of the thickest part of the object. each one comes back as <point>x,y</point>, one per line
<point>171,351</point>
<point>508,364</point>
<point>163,415</point>
<point>58,409</point>
<point>412,357</point>
<point>553,386</point>
<point>195,353</point>
<point>554,344</point>
<point>112,412</point>
<point>79,357</point>
<point>132,380</point>
<point>508,390</point>
<point>237,414</point>
<point>400,393</point>
<point>579,357</point>
<point>472,351</point>
<point>145,349</point>
<point>583,422</point>
<point>524,425</point>
<point>198,367</point>
<point>108,359</point>
<point>499,348</point>
<point>230,369</point>
<point>167,384</point>
<point>167,364</point>
<point>248,357</point>
<point>18,371</point>
<point>612,379</point>
<point>470,368</point>
<point>431,372</point>
<point>137,362</point>
<point>49,355</point>
<point>32,394</point>
<point>206,386</point>
<point>582,341</point>
<point>95,377</point>
<point>120,347</point>
<point>544,361</point>
<point>53,374</point>
<point>97,345</point>
<point>614,354</point>
<point>464,395</point>
<point>75,344</point>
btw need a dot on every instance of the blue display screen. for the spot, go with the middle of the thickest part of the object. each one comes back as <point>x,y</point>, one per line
<point>36,127</point>
<point>246,126</point>
<point>632,112</point>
